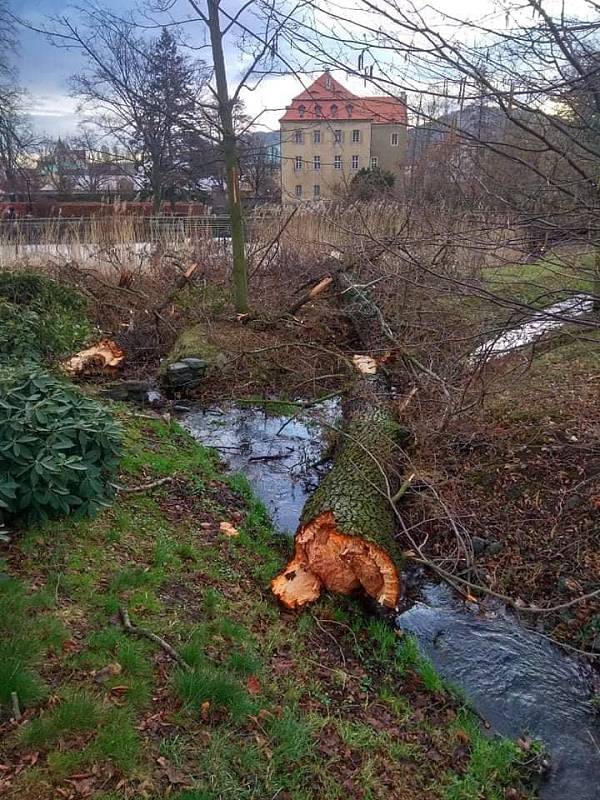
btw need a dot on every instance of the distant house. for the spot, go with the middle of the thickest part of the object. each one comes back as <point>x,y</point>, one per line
<point>67,170</point>
<point>328,134</point>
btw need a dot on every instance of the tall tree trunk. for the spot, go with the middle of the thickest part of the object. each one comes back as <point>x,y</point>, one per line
<point>230,157</point>
<point>596,280</point>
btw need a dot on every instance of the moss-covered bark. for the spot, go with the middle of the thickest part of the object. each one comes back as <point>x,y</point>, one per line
<point>345,540</point>
<point>362,477</point>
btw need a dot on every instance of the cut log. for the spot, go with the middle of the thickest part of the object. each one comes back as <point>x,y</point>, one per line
<point>345,540</point>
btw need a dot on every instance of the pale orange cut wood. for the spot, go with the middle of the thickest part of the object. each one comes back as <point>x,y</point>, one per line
<point>327,559</point>
<point>106,356</point>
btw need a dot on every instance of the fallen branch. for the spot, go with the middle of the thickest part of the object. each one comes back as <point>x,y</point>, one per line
<point>134,630</point>
<point>144,487</point>
<point>318,288</point>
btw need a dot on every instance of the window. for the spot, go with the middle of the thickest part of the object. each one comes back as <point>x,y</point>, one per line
<point>317,190</point>
<point>394,139</point>
<point>349,109</point>
<point>356,136</point>
<point>328,82</point>
<point>354,162</point>
<point>318,110</point>
<point>317,163</point>
<point>298,163</point>
<point>374,162</point>
<point>337,162</point>
<point>338,136</point>
<point>333,110</point>
<point>316,137</point>
<point>298,137</point>
<point>301,110</point>
<point>298,190</point>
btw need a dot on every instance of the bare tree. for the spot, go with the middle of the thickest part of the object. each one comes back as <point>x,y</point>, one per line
<point>140,93</point>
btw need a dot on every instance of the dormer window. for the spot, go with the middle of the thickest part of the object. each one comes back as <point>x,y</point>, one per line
<point>301,110</point>
<point>334,110</point>
<point>318,110</point>
<point>349,109</point>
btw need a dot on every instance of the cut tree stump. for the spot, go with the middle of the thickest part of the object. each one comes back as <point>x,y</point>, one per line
<point>345,541</point>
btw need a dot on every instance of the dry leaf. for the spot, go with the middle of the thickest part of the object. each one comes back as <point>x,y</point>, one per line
<point>227,529</point>
<point>109,671</point>
<point>204,710</point>
<point>253,685</point>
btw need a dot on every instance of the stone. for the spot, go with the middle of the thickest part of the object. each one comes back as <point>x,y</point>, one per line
<point>494,547</point>
<point>478,545</point>
<point>193,355</point>
<point>126,390</point>
<point>186,373</point>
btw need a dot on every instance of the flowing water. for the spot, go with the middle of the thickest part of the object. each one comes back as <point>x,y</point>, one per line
<point>279,456</point>
<point>540,322</point>
<point>517,680</point>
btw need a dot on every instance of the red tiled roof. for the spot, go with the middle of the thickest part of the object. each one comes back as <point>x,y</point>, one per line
<point>326,99</point>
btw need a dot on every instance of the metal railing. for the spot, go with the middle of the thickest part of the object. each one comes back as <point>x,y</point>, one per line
<point>30,230</point>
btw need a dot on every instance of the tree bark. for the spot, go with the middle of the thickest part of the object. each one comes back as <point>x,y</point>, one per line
<point>230,158</point>
<point>345,540</point>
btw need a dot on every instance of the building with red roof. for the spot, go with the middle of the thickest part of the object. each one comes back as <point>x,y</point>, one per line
<point>328,134</point>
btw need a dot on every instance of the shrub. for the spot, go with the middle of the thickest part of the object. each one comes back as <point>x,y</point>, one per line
<point>57,447</point>
<point>40,318</point>
<point>369,183</point>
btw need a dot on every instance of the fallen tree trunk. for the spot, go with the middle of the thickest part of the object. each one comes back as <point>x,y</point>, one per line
<point>345,540</point>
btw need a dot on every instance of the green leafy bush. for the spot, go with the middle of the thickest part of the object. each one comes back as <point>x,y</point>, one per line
<point>40,318</point>
<point>58,448</point>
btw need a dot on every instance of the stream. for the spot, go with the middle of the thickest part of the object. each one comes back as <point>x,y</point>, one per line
<point>517,680</point>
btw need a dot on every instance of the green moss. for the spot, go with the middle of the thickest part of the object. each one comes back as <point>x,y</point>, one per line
<point>193,342</point>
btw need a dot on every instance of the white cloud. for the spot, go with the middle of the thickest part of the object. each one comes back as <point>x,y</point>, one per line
<point>51,105</point>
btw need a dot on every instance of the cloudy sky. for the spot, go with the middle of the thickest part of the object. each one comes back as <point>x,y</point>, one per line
<point>44,69</point>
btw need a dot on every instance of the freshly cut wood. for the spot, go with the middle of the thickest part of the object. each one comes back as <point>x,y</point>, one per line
<point>318,288</point>
<point>345,539</point>
<point>104,357</point>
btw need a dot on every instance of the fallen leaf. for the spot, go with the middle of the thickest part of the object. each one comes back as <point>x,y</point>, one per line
<point>204,710</point>
<point>253,685</point>
<point>227,529</point>
<point>69,646</point>
<point>109,671</point>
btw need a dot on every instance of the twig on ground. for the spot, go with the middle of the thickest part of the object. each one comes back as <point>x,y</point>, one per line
<point>16,708</point>
<point>144,487</point>
<point>134,630</point>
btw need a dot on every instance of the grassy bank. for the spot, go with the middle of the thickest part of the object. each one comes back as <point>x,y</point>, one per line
<point>331,703</point>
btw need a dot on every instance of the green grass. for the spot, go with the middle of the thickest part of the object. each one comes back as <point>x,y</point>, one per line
<point>208,683</point>
<point>495,764</point>
<point>74,714</point>
<point>276,687</point>
<point>541,283</point>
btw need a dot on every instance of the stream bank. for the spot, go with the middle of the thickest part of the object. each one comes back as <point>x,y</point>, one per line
<point>517,680</point>
<point>326,705</point>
